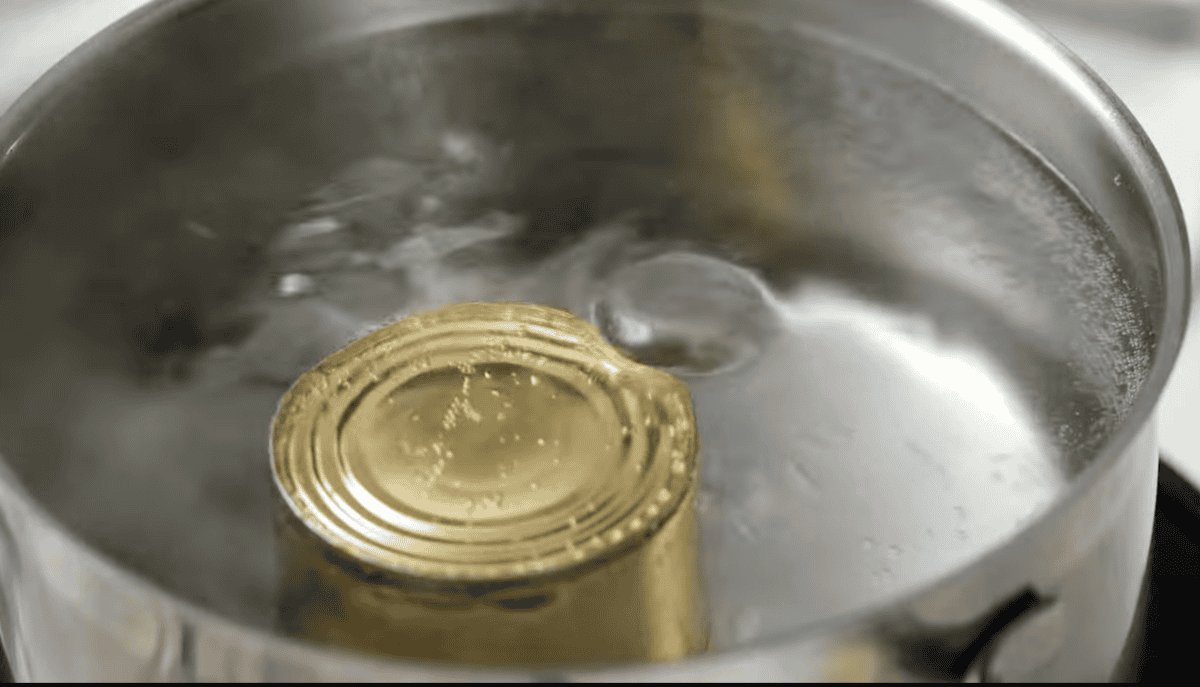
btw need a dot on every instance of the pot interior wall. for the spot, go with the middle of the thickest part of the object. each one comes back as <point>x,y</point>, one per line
<point>904,334</point>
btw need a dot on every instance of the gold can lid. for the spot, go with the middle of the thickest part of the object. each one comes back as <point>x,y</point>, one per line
<point>484,442</point>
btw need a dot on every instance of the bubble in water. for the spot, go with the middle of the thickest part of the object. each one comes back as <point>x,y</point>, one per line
<point>800,474</point>
<point>430,204</point>
<point>747,624</point>
<point>291,285</point>
<point>868,544</point>
<point>743,528</point>
<point>894,552</point>
<point>631,331</point>
<point>461,148</point>
<point>706,503</point>
<point>687,312</point>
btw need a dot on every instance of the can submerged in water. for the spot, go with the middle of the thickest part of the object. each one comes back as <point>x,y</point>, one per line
<point>491,484</point>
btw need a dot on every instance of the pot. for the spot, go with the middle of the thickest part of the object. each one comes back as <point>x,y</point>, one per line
<point>923,276</point>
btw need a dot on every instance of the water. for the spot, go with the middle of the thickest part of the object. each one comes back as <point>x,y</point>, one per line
<point>836,432</point>
<point>900,386</point>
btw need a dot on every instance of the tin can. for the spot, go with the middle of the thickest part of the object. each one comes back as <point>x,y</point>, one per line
<point>490,484</point>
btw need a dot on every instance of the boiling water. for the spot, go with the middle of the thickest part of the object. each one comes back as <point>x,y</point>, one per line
<point>864,426</point>
<point>848,449</point>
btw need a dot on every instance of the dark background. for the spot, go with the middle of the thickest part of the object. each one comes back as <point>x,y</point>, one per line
<point>1167,645</point>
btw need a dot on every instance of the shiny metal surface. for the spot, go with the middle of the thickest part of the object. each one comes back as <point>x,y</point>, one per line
<point>939,383</point>
<point>1166,22</point>
<point>1159,80</point>
<point>494,484</point>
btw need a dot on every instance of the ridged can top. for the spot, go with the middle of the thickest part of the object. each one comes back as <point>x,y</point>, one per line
<point>484,442</point>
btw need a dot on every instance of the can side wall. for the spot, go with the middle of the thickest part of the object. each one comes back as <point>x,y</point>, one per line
<point>646,604</point>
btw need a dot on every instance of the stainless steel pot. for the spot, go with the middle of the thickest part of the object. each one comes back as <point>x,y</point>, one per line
<point>923,273</point>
